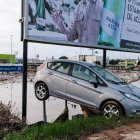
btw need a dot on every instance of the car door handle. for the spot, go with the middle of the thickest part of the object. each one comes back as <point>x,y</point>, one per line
<point>50,73</point>
<point>73,81</point>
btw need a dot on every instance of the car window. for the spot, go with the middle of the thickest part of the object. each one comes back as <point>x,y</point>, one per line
<point>100,81</point>
<point>59,66</point>
<point>107,75</point>
<point>82,72</point>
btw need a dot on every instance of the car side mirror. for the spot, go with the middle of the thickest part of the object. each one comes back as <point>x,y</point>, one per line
<point>94,82</point>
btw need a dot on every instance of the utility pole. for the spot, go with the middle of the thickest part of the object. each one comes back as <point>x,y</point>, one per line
<point>11,48</point>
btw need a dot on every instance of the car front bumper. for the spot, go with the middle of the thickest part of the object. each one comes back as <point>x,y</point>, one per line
<point>131,107</point>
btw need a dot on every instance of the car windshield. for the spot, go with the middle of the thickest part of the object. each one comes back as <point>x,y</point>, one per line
<point>108,76</point>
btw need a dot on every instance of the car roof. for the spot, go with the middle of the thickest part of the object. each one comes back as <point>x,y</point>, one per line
<point>72,61</point>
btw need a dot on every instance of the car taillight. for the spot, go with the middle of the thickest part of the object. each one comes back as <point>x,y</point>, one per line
<point>40,67</point>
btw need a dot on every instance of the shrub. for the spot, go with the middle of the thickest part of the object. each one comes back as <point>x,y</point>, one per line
<point>9,119</point>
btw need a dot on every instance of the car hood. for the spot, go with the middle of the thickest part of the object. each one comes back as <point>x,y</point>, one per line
<point>126,88</point>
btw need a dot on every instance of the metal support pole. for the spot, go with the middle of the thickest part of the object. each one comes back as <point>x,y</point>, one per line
<point>92,55</point>
<point>24,81</point>
<point>104,58</point>
<point>22,15</point>
<point>44,112</point>
<point>66,104</point>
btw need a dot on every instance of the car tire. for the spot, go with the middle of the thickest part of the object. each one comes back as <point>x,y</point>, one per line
<point>110,109</point>
<point>41,91</point>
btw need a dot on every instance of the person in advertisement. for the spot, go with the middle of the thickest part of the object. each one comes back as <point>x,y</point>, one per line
<point>86,25</point>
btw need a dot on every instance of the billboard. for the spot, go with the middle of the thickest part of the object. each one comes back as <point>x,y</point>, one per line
<point>131,27</point>
<point>110,24</point>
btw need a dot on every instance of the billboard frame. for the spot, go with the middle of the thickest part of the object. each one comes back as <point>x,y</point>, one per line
<point>81,45</point>
<point>25,39</point>
<point>66,43</point>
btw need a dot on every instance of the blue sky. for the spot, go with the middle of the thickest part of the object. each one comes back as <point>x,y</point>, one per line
<point>10,12</point>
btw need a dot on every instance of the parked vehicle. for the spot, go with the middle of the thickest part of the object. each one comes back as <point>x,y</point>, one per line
<point>87,84</point>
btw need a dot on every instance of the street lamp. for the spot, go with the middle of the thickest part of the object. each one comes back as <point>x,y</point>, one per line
<point>11,48</point>
<point>93,53</point>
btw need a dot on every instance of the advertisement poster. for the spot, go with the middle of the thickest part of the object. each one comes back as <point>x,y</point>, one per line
<point>102,23</point>
<point>131,26</point>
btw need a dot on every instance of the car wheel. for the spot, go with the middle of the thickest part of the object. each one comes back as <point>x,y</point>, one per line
<point>41,91</point>
<point>110,109</point>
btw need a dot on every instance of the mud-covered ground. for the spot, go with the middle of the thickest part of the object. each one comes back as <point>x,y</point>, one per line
<point>125,132</point>
<point>17,77</point>
<point>14,77</point>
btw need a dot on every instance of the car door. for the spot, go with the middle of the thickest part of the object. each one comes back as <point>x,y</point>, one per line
<point>79,89</point>
<point>57,77</point>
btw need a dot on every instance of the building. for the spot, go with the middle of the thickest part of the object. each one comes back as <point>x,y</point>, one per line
<point>29,61</point>
<point>34,61</point>
<point>7,58</point>
<point>128,63</point>
<point>89,58</point>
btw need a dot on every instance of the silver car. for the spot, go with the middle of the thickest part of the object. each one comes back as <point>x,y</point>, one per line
<point>87,84</point>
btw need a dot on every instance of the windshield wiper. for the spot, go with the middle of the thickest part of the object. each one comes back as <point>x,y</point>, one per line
<point>122,82</point>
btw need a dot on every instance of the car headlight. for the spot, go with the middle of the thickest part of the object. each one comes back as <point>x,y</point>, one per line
<point>131,96</point>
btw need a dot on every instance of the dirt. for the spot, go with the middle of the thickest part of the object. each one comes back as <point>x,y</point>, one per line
<point>125,132</point>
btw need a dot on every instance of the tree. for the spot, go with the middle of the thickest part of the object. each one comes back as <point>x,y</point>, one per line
<point>63,57</point>
<point>98,62</point>
<point>114,62</point>
<point>138,63</point>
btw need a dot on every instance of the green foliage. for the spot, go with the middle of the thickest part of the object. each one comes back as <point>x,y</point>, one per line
<point>114,62</point>
<point>98,62</point>
<point>63,57</point>
<point>69,130</point>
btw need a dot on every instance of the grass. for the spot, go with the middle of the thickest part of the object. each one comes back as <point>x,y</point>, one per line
<point>71,130</point>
